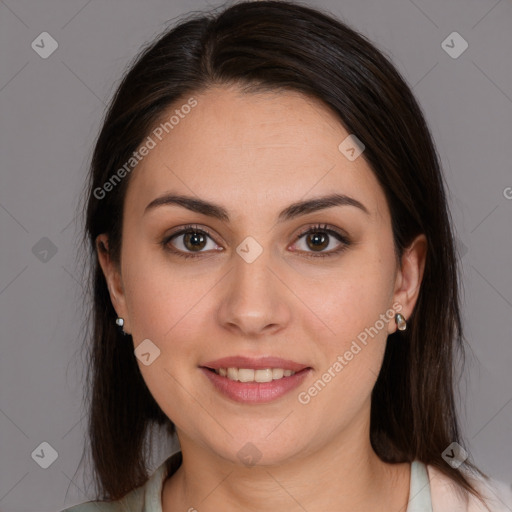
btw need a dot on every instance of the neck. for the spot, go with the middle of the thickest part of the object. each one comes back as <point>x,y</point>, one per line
<point>343,475</point>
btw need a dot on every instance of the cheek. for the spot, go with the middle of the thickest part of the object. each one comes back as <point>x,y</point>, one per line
<point>163,307</point>
<point>356,308</point>
<point>156,294</point>
<point>357,312</point>
<point>353,302</point>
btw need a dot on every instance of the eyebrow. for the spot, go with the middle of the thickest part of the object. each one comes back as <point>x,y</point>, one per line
<point>290,212</point>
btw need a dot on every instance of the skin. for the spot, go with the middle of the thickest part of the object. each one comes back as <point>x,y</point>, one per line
<point>254,154</point>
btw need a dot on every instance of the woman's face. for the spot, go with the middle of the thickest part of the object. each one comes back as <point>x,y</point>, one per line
<point>253,289</point>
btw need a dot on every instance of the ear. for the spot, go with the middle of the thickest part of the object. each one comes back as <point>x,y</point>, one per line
<point>112,274</point>
<point>409,277</point>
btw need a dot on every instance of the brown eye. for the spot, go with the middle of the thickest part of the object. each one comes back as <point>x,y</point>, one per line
<point>318,238</point>
<point>194,241</point>
<point>188,241</point>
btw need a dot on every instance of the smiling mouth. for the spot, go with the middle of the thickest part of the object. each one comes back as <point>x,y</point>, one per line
<point>251,375</point>
<point>265,382</point>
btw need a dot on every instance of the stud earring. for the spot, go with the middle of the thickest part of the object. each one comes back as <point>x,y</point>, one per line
<point>120,322</point>
<point>400,322</point>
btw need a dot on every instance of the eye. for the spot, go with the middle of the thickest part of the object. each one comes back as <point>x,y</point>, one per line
<point>190,240</point>
<point>320,237</point>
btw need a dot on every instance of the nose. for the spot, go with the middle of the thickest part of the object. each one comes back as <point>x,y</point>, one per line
<point>254,300</point>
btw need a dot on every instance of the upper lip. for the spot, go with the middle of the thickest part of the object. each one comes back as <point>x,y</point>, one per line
<point>259,363</point>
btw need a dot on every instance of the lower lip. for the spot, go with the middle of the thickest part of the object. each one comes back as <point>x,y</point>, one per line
<point>255,392</point>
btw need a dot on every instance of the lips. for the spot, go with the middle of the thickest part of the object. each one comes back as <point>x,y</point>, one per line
<point>256,381</point>
<point>254,392</point>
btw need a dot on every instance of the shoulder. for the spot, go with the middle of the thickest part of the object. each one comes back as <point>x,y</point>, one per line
<point>447,496</point>
<point>133,501</point>
<point>146,498</point>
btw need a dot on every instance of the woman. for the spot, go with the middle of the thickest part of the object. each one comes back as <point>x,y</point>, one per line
<point>274,278</point>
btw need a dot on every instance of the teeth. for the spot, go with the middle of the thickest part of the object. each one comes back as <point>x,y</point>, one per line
<point>245,375</point>
<point>263,375</point>
<point>277,373</point>
<point>250,375</point>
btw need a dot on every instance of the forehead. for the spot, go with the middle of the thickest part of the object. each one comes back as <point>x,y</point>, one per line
<point>265,148</point>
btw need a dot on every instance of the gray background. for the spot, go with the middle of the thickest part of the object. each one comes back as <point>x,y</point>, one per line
<point>50,114</point>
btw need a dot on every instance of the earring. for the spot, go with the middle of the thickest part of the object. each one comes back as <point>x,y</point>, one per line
<point>120,323</point>
<point>400,322</point>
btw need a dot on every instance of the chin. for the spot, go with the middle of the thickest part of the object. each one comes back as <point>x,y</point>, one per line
<point>255,450</point>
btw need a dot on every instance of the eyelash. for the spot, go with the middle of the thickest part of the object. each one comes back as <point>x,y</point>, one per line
<point>190,228</point>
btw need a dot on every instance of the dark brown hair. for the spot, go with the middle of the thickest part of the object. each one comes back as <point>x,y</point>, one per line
<point>280,45</point>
